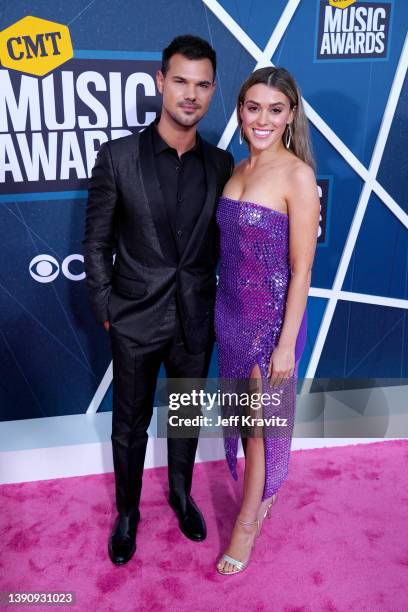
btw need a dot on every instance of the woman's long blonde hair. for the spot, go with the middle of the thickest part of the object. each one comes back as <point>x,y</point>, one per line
<point>282,80</point>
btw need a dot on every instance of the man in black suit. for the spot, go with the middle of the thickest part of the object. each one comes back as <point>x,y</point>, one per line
<point>152,200</point>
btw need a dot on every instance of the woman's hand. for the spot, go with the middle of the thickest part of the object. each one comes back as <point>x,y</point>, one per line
<point>281,365</point>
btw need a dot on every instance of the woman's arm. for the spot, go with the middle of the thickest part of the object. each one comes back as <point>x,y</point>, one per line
<point>304,210</point>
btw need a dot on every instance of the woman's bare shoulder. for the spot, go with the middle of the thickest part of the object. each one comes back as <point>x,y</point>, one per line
<point>302,190</point>
<point>240,166</point>
<point>300,170</point>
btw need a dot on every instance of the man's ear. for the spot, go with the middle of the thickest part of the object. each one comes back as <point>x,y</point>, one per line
<point>159,81</point>
<point>213,88</point>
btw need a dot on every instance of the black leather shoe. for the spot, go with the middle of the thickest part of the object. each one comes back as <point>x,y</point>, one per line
<point>191,521</point>
<point>122,542</point>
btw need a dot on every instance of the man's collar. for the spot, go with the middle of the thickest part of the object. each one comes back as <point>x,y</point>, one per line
<point>160,145</point>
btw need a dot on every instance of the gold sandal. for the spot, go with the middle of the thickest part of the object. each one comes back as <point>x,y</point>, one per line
<point>268,509</point>
<point>241,565</point>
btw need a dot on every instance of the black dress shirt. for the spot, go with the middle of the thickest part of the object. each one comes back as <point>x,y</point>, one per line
<point>183,185</point>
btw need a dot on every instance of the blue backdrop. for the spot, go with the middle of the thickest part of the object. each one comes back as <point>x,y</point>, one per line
<point>53,355</point>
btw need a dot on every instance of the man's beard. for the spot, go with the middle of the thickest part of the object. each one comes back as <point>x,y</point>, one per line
<point>184,121</point>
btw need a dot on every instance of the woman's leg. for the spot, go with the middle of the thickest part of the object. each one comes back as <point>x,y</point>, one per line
<point>243,536</point>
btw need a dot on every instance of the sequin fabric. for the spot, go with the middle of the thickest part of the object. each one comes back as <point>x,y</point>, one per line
<point>250,306</point>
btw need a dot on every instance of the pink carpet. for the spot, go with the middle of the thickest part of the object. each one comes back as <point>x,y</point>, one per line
<point>337,540</point>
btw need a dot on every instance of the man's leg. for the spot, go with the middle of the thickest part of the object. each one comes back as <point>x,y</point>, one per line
<point>181,364</point>
<point>135,371</point>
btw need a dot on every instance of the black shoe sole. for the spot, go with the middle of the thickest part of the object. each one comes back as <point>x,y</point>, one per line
<point>116,562</point>
<point>200,538</point>
<point>190,537</point>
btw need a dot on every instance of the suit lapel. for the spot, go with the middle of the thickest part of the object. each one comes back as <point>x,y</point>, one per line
<point>200,229</point>
<point>154,195</point>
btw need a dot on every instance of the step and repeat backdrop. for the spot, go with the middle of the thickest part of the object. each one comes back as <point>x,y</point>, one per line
<point>73,75</point>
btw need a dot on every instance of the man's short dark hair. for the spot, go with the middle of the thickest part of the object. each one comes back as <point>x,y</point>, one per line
<point>192,47</point>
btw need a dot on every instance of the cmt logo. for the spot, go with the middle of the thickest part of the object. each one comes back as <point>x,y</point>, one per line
<point>45,268</point>
<point>350,31</point>
<point>342,4</point>
<point>35,46</point>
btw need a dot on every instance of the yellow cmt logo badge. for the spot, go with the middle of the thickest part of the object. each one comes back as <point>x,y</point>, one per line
<point>342,4</point>
<point>35,46</point>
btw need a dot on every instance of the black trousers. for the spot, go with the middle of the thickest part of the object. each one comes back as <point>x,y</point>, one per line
<point>135,372</point>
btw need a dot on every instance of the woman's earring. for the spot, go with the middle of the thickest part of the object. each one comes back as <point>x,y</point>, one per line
<point>241,135</point>
<point>288,136</point>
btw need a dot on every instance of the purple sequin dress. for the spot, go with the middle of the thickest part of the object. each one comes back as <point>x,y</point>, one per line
<point>250,308</point>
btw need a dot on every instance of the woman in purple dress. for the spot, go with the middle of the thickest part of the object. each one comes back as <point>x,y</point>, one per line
<point>268,218</point>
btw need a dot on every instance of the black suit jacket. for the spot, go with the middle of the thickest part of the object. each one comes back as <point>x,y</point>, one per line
<point>126,214</point>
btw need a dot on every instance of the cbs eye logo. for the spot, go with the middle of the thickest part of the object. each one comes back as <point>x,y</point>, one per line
<point>45,268</point>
